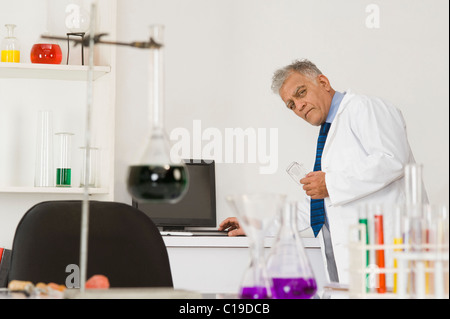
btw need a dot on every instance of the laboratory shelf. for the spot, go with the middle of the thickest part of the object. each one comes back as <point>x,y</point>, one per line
<point>52,190</point>
<point>50,71</point>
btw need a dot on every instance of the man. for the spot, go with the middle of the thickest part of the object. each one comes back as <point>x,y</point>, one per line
<point>361,154</point>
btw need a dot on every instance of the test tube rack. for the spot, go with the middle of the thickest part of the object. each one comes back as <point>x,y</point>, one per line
<point>419,273</point>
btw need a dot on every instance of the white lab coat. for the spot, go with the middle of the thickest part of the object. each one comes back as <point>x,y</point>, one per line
<point>364,157</point>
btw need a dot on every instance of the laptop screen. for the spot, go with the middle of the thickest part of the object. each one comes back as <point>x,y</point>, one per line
<point>196,208</point>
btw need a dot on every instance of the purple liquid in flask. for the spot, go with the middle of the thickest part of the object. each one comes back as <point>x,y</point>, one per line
<point>294,288</point>
<point>254,293</point>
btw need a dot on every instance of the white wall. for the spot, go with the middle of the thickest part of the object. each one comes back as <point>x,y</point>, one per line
<point>221,54</point>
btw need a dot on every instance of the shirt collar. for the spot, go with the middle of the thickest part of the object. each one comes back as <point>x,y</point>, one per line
<point>335,102</point>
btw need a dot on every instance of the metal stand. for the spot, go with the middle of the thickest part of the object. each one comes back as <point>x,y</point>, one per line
<point>78,34</point>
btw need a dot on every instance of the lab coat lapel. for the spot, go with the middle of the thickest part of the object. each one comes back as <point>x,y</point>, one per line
<point>335,124</point>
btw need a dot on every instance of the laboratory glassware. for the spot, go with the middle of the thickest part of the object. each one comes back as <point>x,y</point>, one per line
<point>287,264</point>
<point>10,49</point>
<point>436,244</point>
<point>159,176</point>
<point>78,19</point>
<point>373,215</point>
<point>414,190</point>
<point>397,241</point>
<point>43,176</point>
<point>379,253</point>
<point>63,165</point>
<point>46,53</point>
<point>89,168</point>
<point>413,236</point>
<point>78,22</point>
<point>363,220</point>
<point>296,171</point>
<point>255,212</point>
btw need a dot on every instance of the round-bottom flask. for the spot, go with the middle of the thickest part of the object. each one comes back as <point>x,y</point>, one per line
<point>287,264</point>
<point>159,176</point>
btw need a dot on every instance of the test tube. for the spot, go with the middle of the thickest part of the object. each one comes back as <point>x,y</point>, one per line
<point>63,166</point>
<point>43,176</point>
<point>363,220</point>
<point>439,232</point>
<point>398,240</point>
<point>379,253</point>
<point>429,244</point>
<point>372,279</point>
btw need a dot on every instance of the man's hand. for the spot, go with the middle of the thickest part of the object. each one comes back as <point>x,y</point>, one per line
<point>231,224</point>
<point>314,185</point>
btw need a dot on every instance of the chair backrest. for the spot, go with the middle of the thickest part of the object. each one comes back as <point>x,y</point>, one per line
<point>123,244</point>
<point>5,256</point>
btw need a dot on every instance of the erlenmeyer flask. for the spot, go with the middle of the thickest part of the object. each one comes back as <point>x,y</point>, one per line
<point>287,263</point>
<point>159,176</point>
<point>255,212</point>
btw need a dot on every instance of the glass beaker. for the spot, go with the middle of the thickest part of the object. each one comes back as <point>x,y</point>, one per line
<point>64,165</point>
<point>287,263</point>
<point>160,175</point>
<point>255,212</point>
<point>10,50</point>
<point>89,167</point>
<point>43,176</point>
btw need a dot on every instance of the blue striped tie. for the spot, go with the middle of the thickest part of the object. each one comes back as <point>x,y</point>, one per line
<point>317,205</point>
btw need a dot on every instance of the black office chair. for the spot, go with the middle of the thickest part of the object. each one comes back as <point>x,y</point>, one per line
<point>124,245</point>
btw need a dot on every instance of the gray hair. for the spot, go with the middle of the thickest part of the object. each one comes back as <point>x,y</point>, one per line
<point>305,67</point>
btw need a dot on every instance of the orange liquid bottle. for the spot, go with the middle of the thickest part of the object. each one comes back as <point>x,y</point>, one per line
<point>10,46</point>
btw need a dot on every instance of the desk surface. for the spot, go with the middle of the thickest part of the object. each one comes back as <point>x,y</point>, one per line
<point>225,242</point>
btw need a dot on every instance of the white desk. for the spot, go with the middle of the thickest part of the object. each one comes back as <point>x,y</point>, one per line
<point>216,264</point>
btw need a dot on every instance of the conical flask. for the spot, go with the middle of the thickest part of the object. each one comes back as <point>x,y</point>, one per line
<point>159,175</point>
<point>287,264</point>
<point>255,212</point>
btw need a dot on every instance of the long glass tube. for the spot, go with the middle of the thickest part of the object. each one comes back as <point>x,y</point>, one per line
<point>85,202</point>
<point>156,74</point>
<point>44,151</point>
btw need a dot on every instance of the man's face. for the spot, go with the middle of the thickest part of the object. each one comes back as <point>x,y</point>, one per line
<point>309,99</point>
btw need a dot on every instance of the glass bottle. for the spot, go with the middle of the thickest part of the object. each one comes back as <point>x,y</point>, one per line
<point>159,176</point>
<point>10,51</point>
<point>287,263</point>
<point>255,212</point>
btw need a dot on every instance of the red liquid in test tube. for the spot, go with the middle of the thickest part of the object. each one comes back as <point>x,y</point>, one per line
<point>379,254</point>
